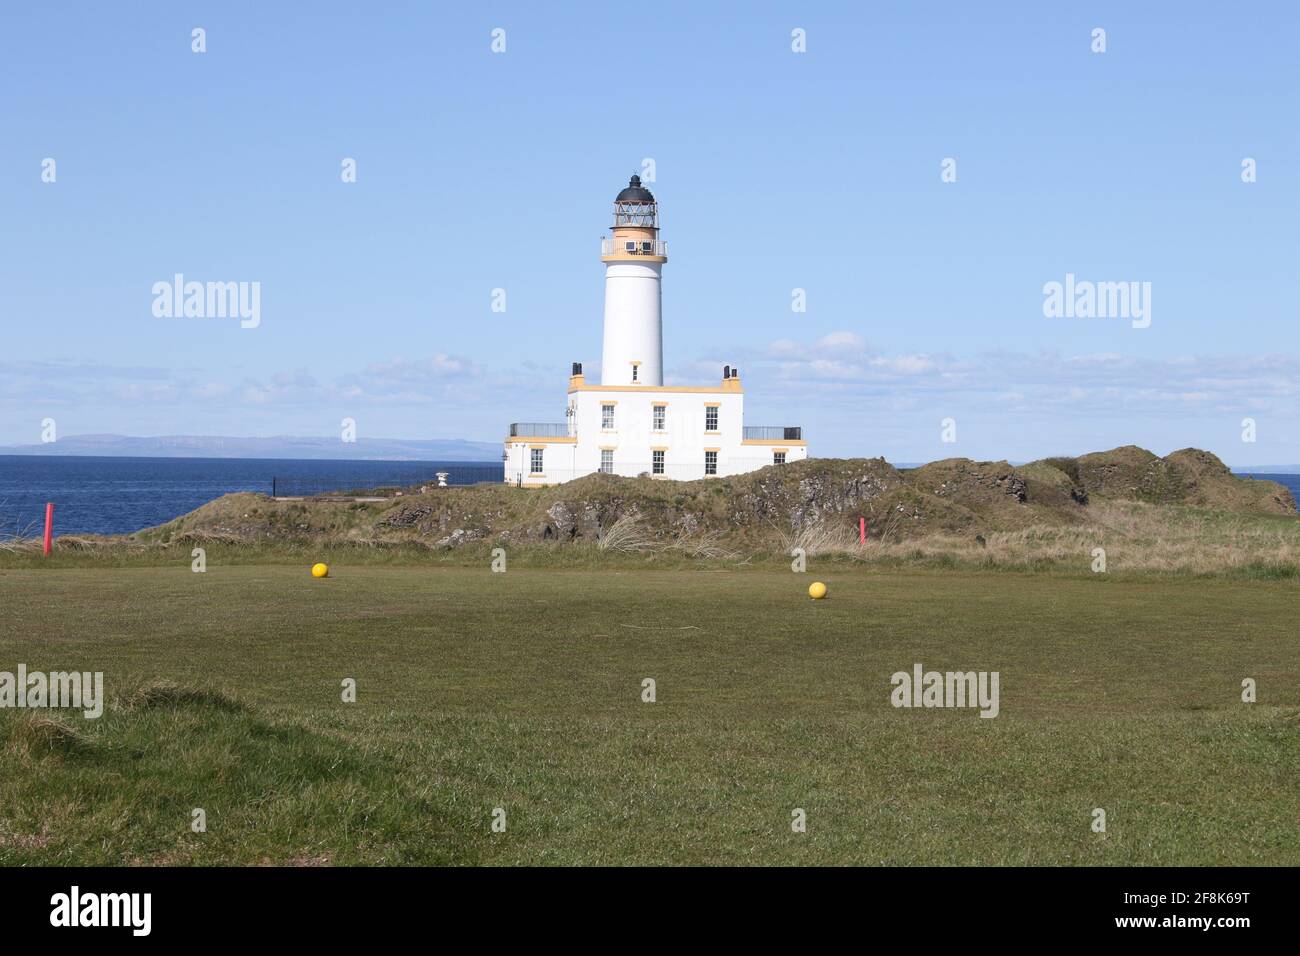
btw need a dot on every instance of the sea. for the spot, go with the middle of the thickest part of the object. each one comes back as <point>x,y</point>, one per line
<point>94,495</point>
<point>102,495</point>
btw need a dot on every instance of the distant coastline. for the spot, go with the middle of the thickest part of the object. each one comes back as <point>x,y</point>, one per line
<point>302,448</point>
<point>287,447</point>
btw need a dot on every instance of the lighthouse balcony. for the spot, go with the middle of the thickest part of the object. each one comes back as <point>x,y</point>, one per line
<point>772,433</point>
<point>540,430</point>
<point>630,247</point>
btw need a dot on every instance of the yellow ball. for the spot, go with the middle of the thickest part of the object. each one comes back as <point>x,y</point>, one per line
<point>323,570</point>
<point>816,590</point>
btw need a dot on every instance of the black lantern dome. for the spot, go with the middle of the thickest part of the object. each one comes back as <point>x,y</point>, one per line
<point>635,192</point>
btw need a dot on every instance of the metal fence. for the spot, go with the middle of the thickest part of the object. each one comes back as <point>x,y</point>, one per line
<point>365,485</point>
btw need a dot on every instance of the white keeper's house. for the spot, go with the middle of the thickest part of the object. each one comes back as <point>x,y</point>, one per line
<point>631,423</point>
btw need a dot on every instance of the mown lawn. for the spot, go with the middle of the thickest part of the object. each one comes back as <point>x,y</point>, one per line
<point>523,691</point>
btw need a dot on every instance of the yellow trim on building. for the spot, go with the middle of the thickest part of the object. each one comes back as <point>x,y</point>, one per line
<point>663,448</point>
<point>633,257</point>
<point>686,389</point>
<point>712,404</point>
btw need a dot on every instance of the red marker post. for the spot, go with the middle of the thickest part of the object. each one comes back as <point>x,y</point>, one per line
<point>862,530</point>
<point>49,527</point>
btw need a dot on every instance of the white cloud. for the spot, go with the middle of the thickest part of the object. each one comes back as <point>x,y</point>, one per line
<point>841,342</point>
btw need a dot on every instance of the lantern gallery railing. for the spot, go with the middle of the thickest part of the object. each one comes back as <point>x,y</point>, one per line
<point>631,247</point>
<point>773,433</point>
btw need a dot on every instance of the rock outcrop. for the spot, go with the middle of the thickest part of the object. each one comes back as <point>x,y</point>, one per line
<point>954,496</point>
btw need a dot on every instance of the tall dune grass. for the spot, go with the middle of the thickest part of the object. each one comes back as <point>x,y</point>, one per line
<point>1135,536</point>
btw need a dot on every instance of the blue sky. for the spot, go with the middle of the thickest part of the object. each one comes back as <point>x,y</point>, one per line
<point>775,170</point>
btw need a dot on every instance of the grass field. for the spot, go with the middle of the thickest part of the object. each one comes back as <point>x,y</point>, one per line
<point>523,691</point>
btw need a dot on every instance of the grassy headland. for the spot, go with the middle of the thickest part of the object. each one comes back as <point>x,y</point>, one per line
<point>1184,513</point>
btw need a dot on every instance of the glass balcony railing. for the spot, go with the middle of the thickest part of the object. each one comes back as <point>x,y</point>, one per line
<point>773,433</point>
<point>539,430</point>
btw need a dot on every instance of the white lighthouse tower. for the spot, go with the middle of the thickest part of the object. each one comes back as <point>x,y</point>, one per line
<point>631,424</point>
<point>634,259</point>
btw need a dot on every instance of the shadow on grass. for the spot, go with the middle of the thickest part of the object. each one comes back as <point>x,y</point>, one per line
<point>124,790</point>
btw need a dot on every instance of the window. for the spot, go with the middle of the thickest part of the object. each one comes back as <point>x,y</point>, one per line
<point>607,460</point>
<point>607,416</point>
<point>536,463</point>
<point>778,458</point>
<point>711,418</point>
<point>631,247</point>
<point>657,462</point>
<point>710,462</point>
<point>635,369</point>
<point>660,412</point>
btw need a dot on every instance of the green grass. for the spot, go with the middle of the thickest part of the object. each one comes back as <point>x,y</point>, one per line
<point>523,690</point>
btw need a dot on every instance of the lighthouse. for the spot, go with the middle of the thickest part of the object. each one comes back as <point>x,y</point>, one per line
<point>634,258</point>
<point>631,424</point>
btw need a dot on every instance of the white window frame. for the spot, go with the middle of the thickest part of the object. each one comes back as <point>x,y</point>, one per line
<point>535,459</point>
<point>658,416</point>
<point>710,462</point>
<point>607,461</point>
<point>658,462</point>
<point>607,416</point>
<point>711,411</point>
<point>778,458</point>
